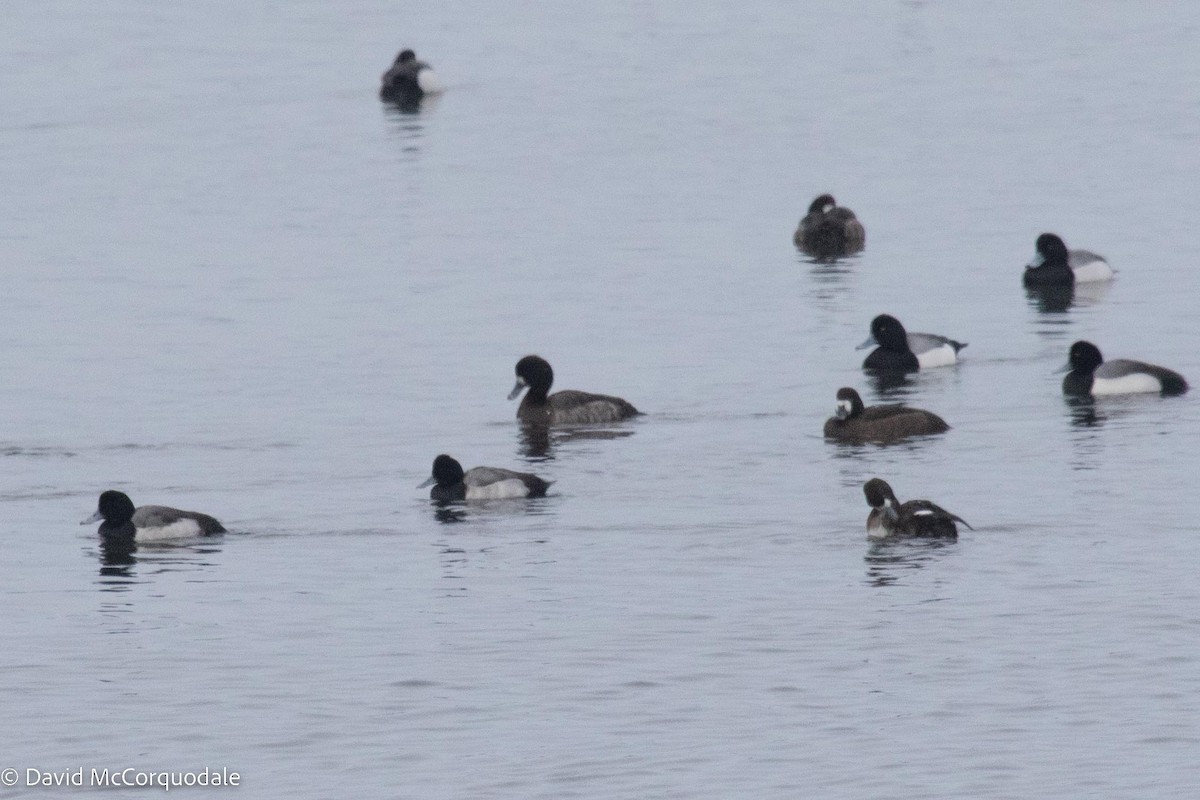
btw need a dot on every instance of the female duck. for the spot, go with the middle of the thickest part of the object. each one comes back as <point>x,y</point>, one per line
<point>1090,374</point>
<point>480,483</point>
<point>1054,265</point>
<point>896,349</point>
<point>561,408</point>
<point>853,423</point>
<point>149,523</point>
<point>890,517</point>
<point>829,230</point>
<point>408,80</point>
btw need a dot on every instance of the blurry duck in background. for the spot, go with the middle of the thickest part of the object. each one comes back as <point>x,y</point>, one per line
<point>408,81</point>
<point>829,230</point>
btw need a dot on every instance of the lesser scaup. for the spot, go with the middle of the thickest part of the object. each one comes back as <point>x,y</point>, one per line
<point>562,408</point>
<point>829,230</point>
<point>1089,374</point>
<point>896,349</point>
<point>149,523</point>
<point>408,80</point>
<point>890,517</point>
<point>854,423</point>
<point>480,483</point>
<point>1054,265</point>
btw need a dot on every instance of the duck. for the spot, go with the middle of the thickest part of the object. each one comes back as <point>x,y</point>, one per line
<point>450,482</point>
<point>1089,374</point>
<point>149,523</point>
<point>896,349</point>
<point>829,230</point>
<point>889,517</point>
<point>853,423</point>
<point>408,80</point>
<point>562,408</point>
<point>1054,265</point>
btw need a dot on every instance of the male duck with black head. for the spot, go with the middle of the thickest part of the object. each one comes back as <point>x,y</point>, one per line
<point>918,518</point>
<point>568,407</point>
<point>1054,265</point>
<point>1088,374</point>
<point>149,523</point>
<point>897,350</point>
<point>450,482</point>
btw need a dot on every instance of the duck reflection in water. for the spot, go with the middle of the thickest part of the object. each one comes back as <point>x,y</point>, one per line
<point>1050,299</point>
<point>891,384</point>
<point>117,551</point>
<point>447,515</point>
<point>122,558</point>
<point>452,512</point>
<point>1060,299</point>
<point>538,440</point>
<point>888,560</point>
<point>831,281</point>
<point>1083,411</point>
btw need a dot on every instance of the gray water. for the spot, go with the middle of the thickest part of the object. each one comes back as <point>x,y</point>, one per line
<point>237,283</point>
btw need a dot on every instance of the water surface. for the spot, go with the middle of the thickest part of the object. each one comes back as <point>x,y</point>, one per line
<point>238,283</point>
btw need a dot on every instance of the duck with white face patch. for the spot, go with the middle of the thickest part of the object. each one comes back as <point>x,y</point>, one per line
<point>854,423</point>
<point>916,518</point>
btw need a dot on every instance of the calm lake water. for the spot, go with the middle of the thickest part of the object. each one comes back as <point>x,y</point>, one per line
<point>238,283</point>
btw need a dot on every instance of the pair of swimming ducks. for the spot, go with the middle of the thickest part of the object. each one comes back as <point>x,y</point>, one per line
<point>538,409</point>
<point>888,517</point>
<point>831,231</point>
<point>897,350</point>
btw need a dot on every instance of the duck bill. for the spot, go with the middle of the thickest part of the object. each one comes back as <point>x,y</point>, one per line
<point>93,518</point>
<point>870,342</point>
<point>517,389</point>
<point>1064,368</point>
<point>430,482</point>
<point>1038,260</point>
